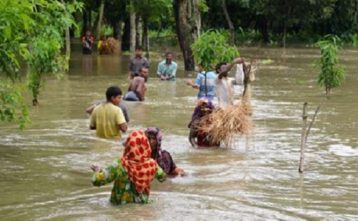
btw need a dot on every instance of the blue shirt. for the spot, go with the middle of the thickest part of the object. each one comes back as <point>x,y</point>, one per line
<point>209,88</point>
<point>168,70</point>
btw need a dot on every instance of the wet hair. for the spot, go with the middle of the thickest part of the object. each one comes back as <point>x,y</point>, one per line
<point>113,91</point>
<point>137,48</point>
<point>218,66</point>
<point>156,133</point>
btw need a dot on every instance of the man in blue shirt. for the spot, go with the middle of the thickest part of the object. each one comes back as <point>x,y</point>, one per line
<point>205,82</point>
<point>167,68</point>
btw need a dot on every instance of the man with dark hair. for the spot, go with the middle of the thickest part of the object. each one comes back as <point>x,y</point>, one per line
<point>167,68</point>
<point>107,119</point>
<point>137,62</point>
<point>204,82</point>
<point>137,88</point>
<point>224,85</point>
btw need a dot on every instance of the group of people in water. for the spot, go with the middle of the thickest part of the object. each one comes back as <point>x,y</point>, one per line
<point>143,158</point>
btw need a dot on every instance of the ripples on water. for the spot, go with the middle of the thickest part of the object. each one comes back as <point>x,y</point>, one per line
<point>45,171</point>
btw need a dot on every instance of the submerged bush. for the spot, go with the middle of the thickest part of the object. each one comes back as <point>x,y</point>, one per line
<point>332,74</point>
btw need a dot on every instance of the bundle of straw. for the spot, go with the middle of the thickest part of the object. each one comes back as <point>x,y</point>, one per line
<point>223,124</point>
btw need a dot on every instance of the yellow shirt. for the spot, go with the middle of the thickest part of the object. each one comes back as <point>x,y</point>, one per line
<point>106,118</point>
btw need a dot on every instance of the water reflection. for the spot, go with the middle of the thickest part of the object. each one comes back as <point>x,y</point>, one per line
<point>87,64</point>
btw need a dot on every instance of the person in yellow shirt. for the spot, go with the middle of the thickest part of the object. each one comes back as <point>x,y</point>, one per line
<point>108,119</point>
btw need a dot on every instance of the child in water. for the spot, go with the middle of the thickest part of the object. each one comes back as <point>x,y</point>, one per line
<point>132,174</point>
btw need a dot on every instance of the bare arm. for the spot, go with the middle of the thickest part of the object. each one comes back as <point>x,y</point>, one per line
<point>93,121</point>
<point>230,66</point>
<point>123,127</point>
<point>192,84</point>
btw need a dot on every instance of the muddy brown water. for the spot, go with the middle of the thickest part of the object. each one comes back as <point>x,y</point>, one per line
<point>45,175</point>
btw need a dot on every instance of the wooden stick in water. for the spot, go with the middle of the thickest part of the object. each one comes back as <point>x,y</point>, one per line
<point>304,126</point>
<point>305,132</point>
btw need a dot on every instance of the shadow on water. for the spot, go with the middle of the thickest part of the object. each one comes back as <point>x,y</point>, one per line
<point>45,169</point>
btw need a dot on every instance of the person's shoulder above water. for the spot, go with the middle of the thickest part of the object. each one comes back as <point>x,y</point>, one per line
<point>139,79</point>
<point>211,74</point>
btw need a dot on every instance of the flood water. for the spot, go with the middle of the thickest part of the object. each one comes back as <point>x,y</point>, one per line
<point>45,174</point>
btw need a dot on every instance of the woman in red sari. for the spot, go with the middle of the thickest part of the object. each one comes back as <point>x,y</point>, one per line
<point>132,174</point>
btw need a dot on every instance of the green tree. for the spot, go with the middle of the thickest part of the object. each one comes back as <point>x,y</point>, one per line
<point>332,74</point>
<point>31,39</point>
<point>211,48</point>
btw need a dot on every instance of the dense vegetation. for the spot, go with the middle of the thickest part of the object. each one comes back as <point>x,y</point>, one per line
<point>252,21</point>
<point>31,34</point>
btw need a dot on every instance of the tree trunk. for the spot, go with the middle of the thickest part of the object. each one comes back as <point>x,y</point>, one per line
<point>89,21</point>
<point>68,43</point>
<point>284,34</point>
<point>85,25</point>
<point>196,16</point>
<point>100,18</point>
<point>139,30</point>
<point>132,32</point>
<point>67,38</point>
<point>186,31</point>
<point>263,27</point>
<point>355,16</point>
<point>126,38</point>
<point>229,22</point>
<point>145,37</point>
<point>117,30</point>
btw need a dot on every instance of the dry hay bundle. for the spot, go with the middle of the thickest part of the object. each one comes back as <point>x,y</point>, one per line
<point>223,124</point>
<point>109,46</point>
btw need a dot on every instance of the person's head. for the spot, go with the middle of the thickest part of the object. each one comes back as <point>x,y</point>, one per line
<point>114,95</point>
<point>199,68</point>
<point>220,67</point>
<point>138,51</point>
<point>144,72</point>
<point>88,33</point>
<point>155,138</point>
<point>205,106</point>
<point>169,57</point>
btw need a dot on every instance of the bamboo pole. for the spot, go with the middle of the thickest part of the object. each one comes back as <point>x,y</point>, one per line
<point>304,127</point>
<point>313,120</point>
<point>305,133</point>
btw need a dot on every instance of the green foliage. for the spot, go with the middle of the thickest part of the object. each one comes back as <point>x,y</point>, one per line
<point>31,35</point>
<point>153,10</point>
<point>247,37</point>
<point>12,105</point>
<point>211,48</point>
<point>332,74</point>
<point>203,6</point>
<point>106,30</point>
<point>354,38</point>
<point>310,19</point>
